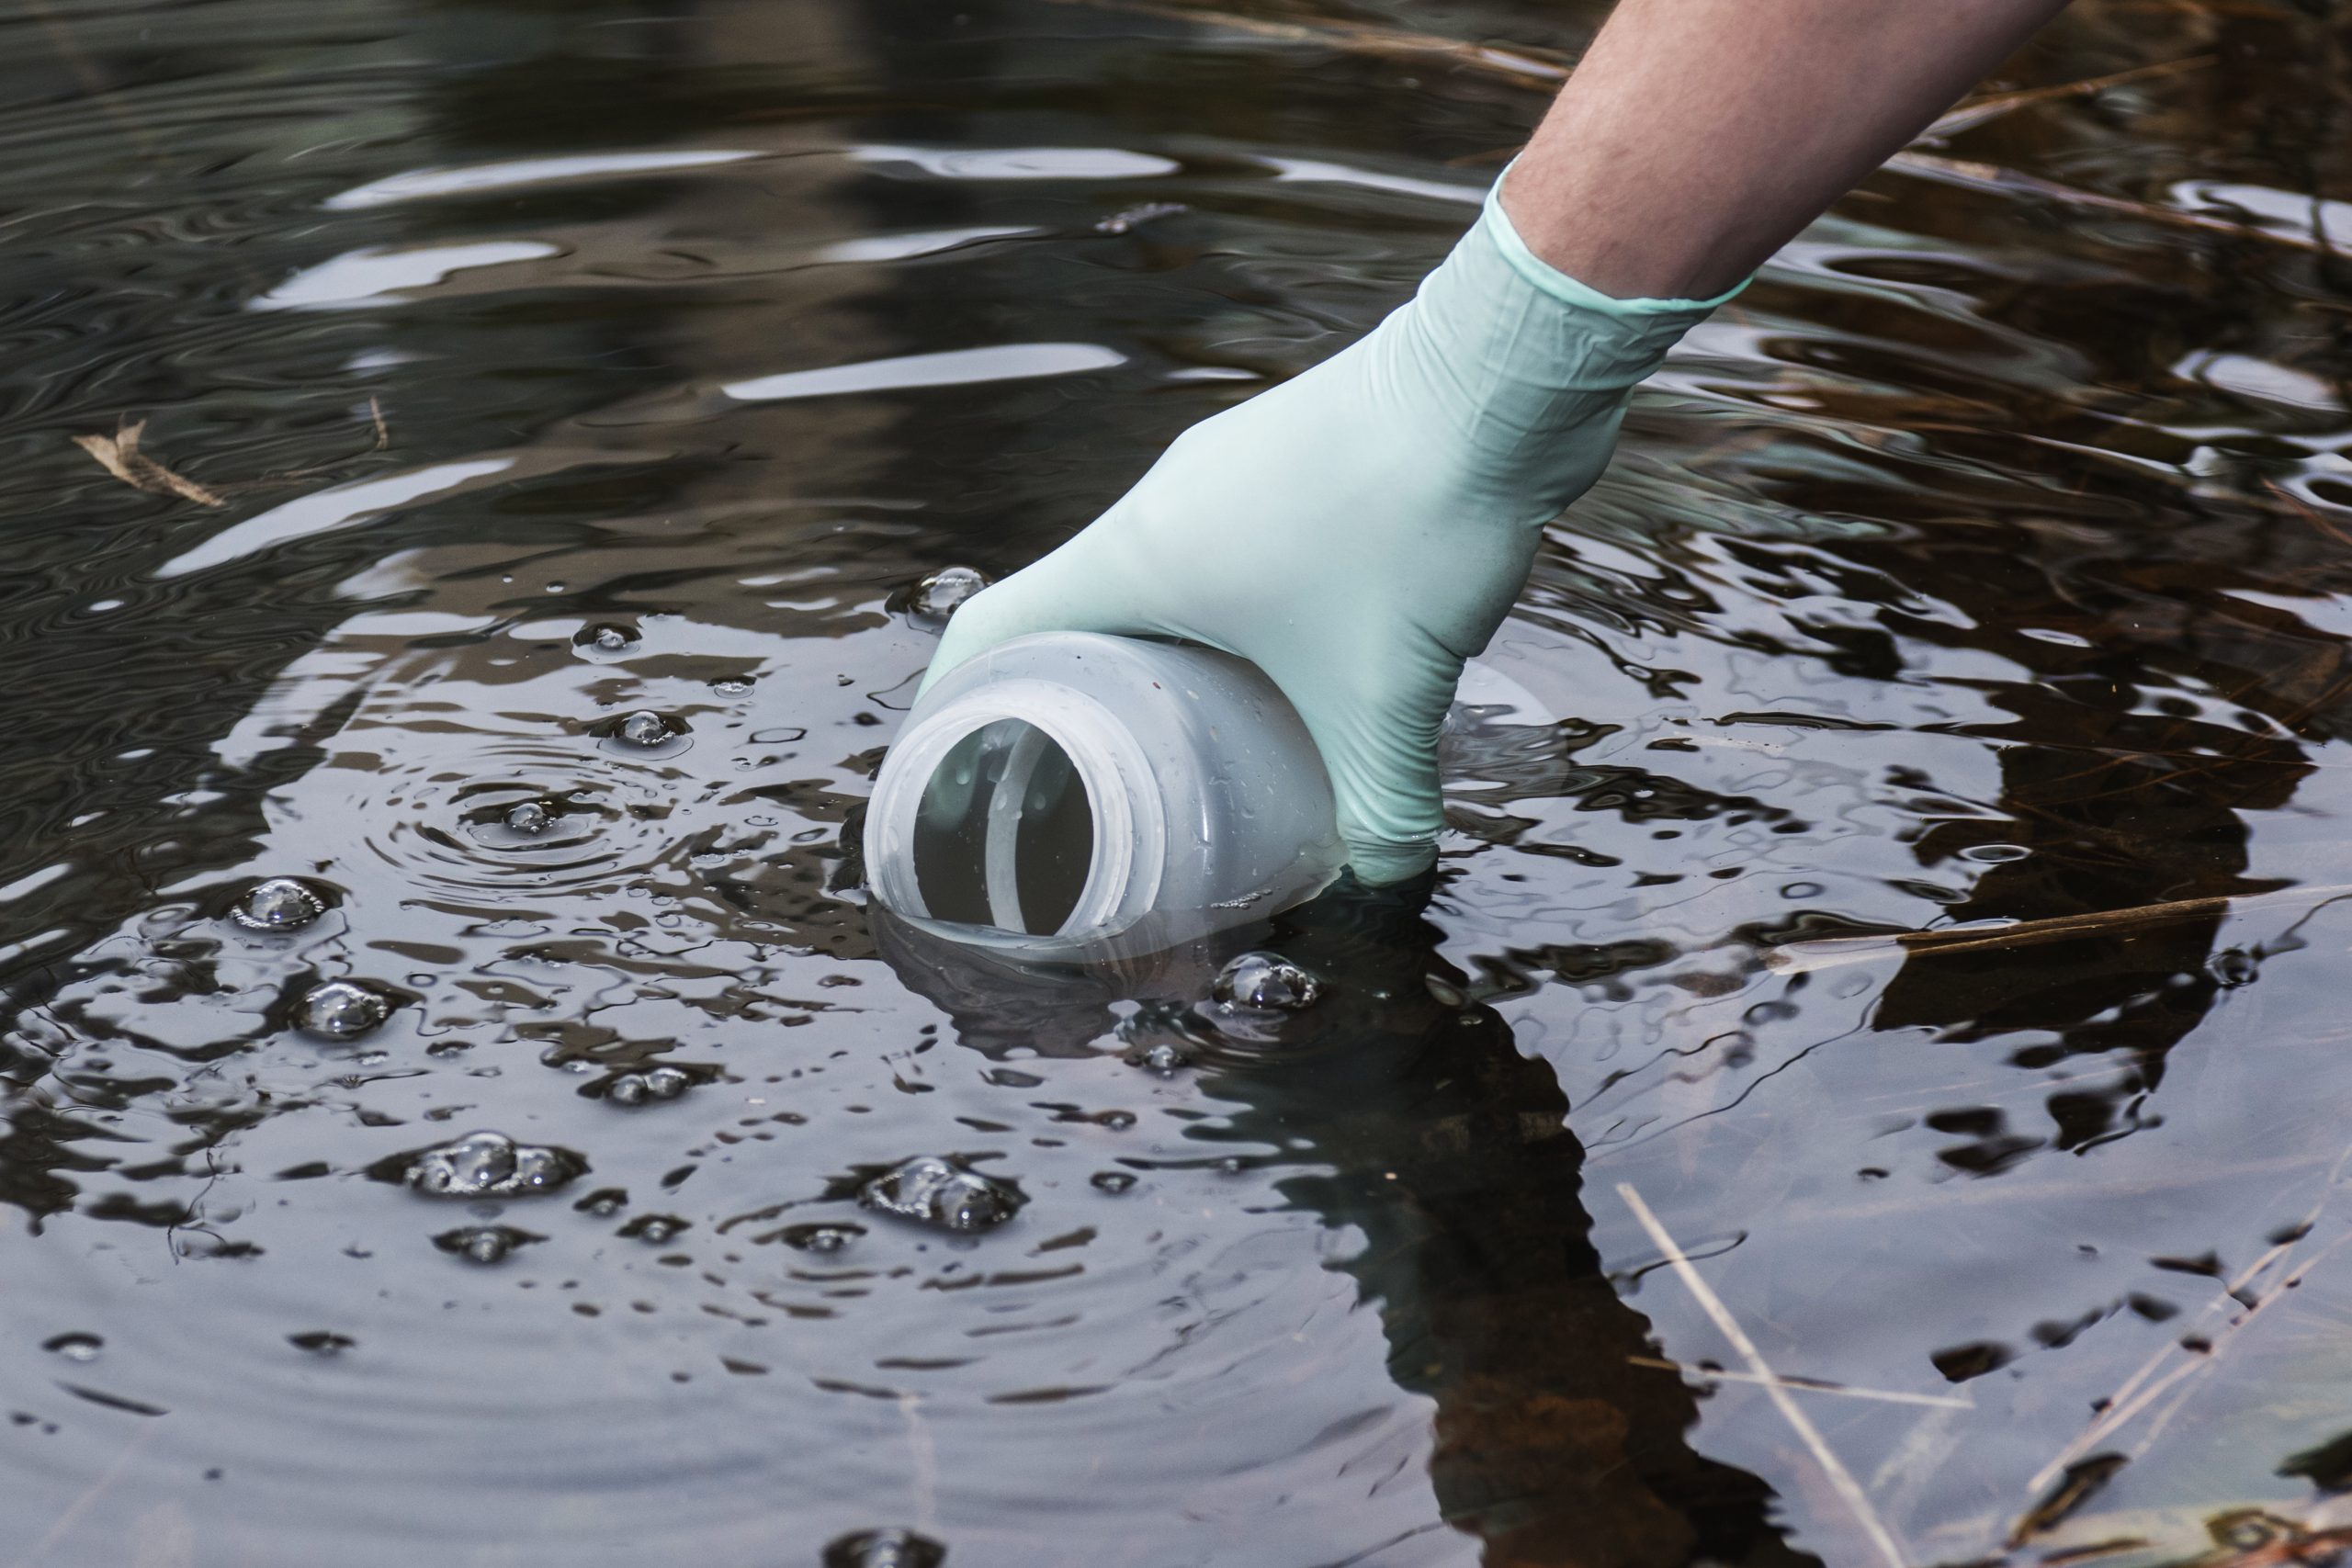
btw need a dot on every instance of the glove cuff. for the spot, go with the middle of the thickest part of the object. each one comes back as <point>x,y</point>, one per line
<point>1569,290</point>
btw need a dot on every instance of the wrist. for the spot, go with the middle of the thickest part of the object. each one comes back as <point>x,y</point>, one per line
<point>1551,279</point>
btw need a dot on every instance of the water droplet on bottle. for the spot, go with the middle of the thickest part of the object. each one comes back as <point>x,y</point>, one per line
<point>936,597</point>
<point>484,1244</point>
<point>280,904</point>
<point>530,817</point>
<point>645,728</point>
<point>75,1346</point>
<point>937,1192</point>
<point>605,642</point>
<point>343,1010</point>
<point>1267,982</point>
<point>491,1165</point>
<point>885,1549</point>
<point>821,1237</point>
<point>1113,1181</point>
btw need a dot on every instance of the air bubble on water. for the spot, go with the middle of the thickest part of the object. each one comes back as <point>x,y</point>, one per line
<point>2234,967</point>
<point>731,686</point>
<point>530,817</point>
<point>884,1548</point>
<point>821,1237</point>
<point>605,642</point>
<point>938,596</point>
<point>645,728</point>
<point>343,1010</point>
<point>1266,982</point>
<point>74,1346</point>
<point>491,1165</point>
<point>484,1244</point>
<point>1113,1181</point>
<point>940,1193</point>
<point>1166,1058</point>
<point>603,1202</point>
<point>280,904</point>
<point>654,1229</point>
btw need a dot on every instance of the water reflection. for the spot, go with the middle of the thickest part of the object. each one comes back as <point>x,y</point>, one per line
<point>1986,562</point>
<point>1442,1154</point>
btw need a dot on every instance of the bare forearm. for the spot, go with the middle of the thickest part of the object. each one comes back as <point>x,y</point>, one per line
<point>1698,135</point>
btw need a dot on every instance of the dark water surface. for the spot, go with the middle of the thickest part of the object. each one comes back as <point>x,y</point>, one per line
<point>1984,562</point>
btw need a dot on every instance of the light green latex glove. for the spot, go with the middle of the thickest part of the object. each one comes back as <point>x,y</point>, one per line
<point>1362,529</point>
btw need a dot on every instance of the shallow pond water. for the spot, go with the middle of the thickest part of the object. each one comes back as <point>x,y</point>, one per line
<point>475,462</point>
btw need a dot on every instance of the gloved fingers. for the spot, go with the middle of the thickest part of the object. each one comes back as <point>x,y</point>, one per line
<point>1377,728</point>
<point>1073,589</point>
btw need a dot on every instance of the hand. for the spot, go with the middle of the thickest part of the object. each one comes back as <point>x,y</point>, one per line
<point>1361,530</point>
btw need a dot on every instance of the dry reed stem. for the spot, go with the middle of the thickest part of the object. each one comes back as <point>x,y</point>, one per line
<point>120,457</point>
<point>81,1505</point>
<point>2144,1386</point>
<point>1831,952</point>
<point>1841,1480</point>
<point>1810,1385</point>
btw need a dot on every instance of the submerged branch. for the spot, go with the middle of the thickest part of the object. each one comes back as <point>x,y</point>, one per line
<point>1831,952</point>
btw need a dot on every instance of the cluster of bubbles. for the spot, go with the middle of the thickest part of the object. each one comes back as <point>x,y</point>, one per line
<point>657,1083</point>
<point>490,1165</point>
<point>942,1193</point>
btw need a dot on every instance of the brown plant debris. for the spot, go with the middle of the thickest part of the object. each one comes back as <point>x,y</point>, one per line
<point>120,457</point>
<point>1830,953</point>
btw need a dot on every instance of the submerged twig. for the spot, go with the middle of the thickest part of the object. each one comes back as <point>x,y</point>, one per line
<point>1841,1480</point>
<point>1524,64</point>
<point>1830,953</point>
<point>120,457</point>
<point>1974,112</point>
<point>2012,182</point>
<point>1810,1385</point>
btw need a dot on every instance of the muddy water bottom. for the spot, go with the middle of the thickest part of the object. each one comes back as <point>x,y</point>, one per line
<point>472,471</point>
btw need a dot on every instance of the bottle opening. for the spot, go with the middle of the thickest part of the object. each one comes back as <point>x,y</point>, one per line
<point>1004,835</point>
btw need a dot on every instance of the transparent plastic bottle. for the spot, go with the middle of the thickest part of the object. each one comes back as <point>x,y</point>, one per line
<point>1071,796</point>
